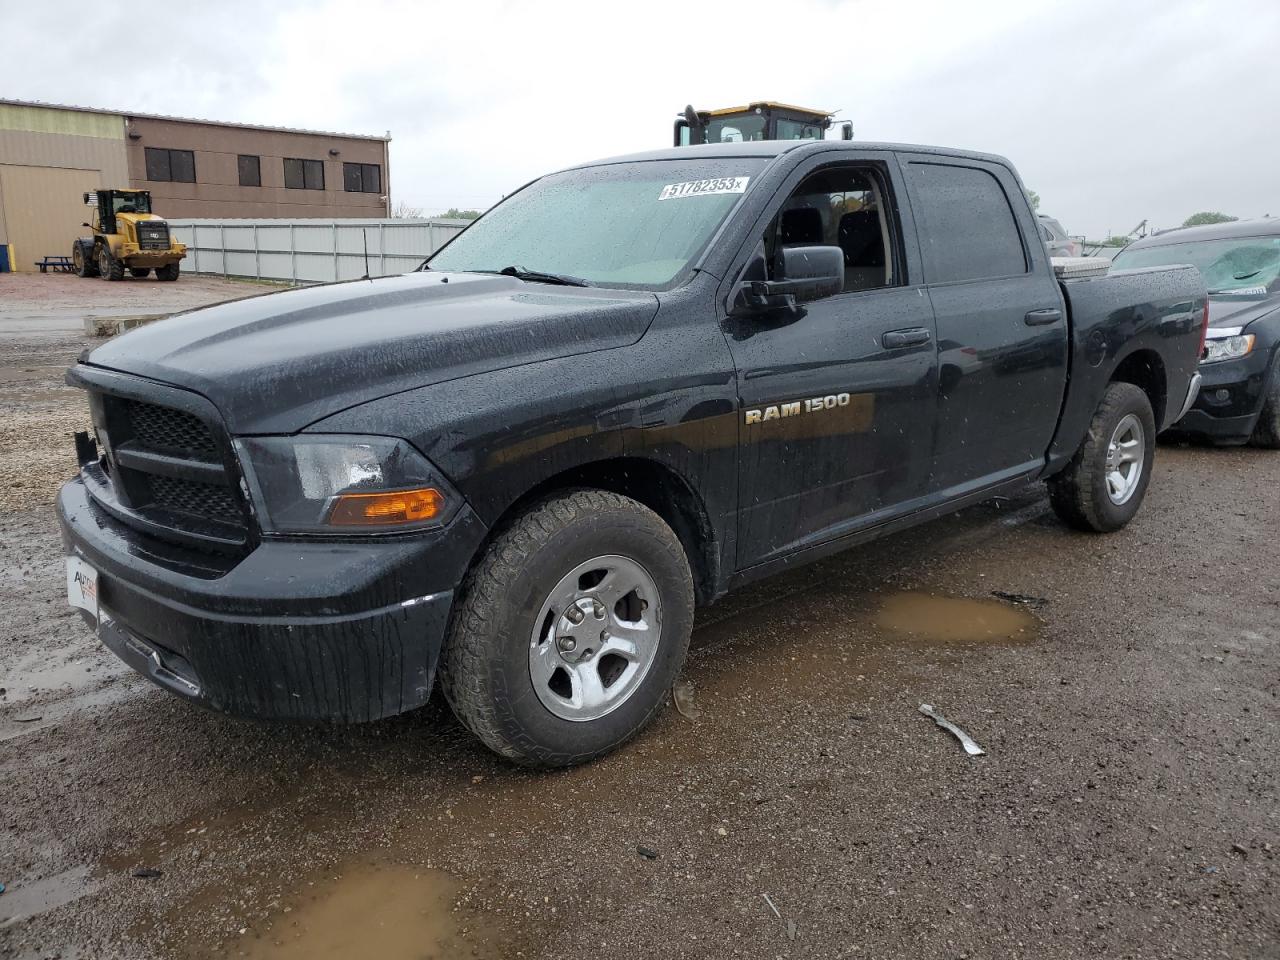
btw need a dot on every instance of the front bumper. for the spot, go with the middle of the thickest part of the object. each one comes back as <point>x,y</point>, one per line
<point>152,258</point>
<point>1231,396</point>
<point>299,629</point>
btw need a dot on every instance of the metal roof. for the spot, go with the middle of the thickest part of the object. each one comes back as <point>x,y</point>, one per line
<point>772,104</point>
<point>130,114</point>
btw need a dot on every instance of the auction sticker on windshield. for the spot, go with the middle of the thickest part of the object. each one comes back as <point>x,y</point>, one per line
<point>700,188</point>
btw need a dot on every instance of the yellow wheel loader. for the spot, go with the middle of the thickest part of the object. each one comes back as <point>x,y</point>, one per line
<point>762,120</point>
<point>126,236</point>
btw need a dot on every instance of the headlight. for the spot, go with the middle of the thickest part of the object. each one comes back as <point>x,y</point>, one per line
<point>1226,348</point>
<point>344,484</point>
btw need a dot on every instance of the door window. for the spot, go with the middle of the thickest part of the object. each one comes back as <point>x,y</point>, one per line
<point>969,229</point>
<point>841,207</point>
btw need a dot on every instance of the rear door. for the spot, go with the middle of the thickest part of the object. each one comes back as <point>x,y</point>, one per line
<point>837,402</point>
<point>1001,326</point>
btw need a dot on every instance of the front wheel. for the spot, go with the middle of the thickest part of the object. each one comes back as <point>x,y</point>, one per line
<point>1266,433</point>
<point>168,272</point>
<point>109,268</point>
<point>139,272</point>
<point>1103,486</point>
<point>570,630</point>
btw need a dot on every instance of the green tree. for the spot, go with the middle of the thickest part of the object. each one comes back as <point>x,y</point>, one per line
<point>1115,242</point>
<point>1205,217</point>
<point>453,213</point>
<point>1034,198</point>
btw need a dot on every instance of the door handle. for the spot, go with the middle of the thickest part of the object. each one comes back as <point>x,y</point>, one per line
<point>1042,318</point>
<point>913,337</point>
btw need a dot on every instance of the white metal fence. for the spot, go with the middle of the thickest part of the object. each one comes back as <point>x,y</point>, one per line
<point>310,251</point>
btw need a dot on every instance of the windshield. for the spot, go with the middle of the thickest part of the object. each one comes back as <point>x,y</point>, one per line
<point>635,225</point>
<point>736,129</point>
<point>130,203</point>
<point>796,130</point>
<point>1232,265</point>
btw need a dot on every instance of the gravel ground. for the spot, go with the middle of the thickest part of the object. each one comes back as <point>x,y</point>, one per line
<point>41,324</point>
<point>1126,806</point>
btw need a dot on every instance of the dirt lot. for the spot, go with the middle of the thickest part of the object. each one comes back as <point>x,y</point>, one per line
<point>1126,805</point>
<point>41,332</point>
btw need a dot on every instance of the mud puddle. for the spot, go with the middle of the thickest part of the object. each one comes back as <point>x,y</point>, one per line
<point>22,900</point>
<point>388,911</point>
<point>35,675</point>
<point>928,618</point>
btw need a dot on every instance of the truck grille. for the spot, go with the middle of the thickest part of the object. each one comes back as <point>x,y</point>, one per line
<point>196,498</point>
<point>169,430</point>
<point>168,471</point>
<point>153,235</point>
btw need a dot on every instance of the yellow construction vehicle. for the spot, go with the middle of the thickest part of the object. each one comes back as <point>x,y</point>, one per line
<point>762,120</point>
<point>126,236</point>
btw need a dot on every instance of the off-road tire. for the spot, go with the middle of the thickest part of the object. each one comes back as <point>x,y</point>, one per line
<point>109,268</point>
<point>484,667</point>
<point>1266,433</point>
<point>139,272</point>
<point>83,266</point>
<point>1079,493</point>
<point>168,272</point>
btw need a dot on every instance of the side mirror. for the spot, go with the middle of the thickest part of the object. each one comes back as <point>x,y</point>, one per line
<point>808,273</point>
<point>85,225</point>
<point>846,131</point>
<point>812,273</point>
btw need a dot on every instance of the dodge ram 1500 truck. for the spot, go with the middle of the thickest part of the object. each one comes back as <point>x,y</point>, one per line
<point>626,389</point>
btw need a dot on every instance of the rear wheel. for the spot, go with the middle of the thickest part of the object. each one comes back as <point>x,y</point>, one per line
<point>82,262</point>
<point>139,272</point>
<point>1106,481</point>
<point>168,272</point>
<point>568,633</point>
<point>109,268</point>
<point>1267,431</point>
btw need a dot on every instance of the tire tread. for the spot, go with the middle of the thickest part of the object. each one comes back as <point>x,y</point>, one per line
<point>1073,491</point>
<point>470,642</point>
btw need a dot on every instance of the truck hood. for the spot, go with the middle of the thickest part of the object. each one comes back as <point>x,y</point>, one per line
<point>276,363</point>
<point>1240,312</point>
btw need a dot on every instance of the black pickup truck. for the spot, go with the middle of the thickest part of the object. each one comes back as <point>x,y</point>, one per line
<point>628,388</point>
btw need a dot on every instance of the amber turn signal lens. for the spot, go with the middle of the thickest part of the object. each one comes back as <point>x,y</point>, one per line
<point>386,509</point>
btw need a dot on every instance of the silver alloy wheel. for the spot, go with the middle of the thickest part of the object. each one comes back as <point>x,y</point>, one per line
<point>595,638</point>
<point>1126,457</point>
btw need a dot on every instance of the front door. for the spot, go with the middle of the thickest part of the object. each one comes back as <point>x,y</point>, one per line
<point>1002,335</point>
<point>837,399</point>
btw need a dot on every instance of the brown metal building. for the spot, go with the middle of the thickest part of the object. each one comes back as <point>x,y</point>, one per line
<point>51,154</point>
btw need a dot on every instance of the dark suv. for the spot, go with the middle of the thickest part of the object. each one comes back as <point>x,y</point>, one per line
<point>1239,398</point>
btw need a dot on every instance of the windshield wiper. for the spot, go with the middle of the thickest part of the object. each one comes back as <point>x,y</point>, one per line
<point>536,276</point>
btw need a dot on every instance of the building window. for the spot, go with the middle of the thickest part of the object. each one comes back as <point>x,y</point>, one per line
<point>303,174</point>
<point>250,171</point>
<point>177,166</point>
<point>362,177</point>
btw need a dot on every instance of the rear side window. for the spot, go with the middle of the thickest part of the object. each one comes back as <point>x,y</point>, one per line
<point>969,228</point>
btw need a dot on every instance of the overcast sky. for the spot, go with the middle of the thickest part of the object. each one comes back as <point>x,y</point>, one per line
<point>1113,111</point>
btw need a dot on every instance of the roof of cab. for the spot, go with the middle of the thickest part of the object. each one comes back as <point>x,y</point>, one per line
<point>772,104</point>
<point>1259,227</point>
<point>774,148</point>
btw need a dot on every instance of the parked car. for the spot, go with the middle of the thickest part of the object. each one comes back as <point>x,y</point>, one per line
<point>628,388</point>
<point>1056,238</point>
<point>1239,399</point>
